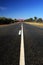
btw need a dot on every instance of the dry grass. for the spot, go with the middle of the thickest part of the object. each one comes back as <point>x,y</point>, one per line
<point>35,24</point>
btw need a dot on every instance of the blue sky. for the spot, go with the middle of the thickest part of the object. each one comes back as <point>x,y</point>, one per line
<point>21,9</point>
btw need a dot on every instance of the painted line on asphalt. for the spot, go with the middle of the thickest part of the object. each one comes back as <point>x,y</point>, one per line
<point>22,54</point>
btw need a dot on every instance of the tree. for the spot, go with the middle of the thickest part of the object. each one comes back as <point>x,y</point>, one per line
<point>40,20</point>
<point>4,20</point>
<point>35,18</point>
<point>15,20</point>
<point>29,20</point>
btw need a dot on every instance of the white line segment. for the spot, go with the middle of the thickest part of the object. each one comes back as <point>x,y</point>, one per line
<point>22,55</point>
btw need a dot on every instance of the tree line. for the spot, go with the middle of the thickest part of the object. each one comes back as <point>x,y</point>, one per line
<point>35,19</point>
<point>4,20</point>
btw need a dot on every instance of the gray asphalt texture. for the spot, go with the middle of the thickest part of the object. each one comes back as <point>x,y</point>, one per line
<point>10,45</point>
<point>33,41</point>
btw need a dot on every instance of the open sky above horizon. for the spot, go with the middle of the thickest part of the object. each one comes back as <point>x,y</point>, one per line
<point>21,9</point>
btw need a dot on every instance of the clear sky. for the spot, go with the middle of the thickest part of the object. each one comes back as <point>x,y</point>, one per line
<point>21,8</point>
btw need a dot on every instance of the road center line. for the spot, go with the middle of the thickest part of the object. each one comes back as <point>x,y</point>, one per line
<point>22,55</point>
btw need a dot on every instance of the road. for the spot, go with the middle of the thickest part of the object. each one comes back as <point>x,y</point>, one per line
<point>33,41</point>
<point>10,45</point>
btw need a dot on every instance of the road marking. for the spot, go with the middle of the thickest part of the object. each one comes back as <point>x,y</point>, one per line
<point>19,32</point>
<point>22,55</point>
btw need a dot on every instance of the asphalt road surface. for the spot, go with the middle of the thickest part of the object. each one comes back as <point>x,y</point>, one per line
<point>33,41</point>
<point>10,45</point>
